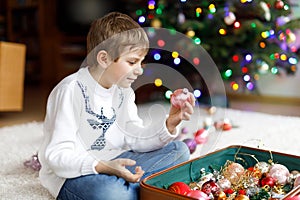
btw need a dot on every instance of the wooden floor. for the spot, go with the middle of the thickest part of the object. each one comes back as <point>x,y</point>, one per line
<point>35,104</point>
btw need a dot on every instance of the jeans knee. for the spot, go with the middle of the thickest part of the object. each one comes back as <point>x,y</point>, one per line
<point>182,150</point>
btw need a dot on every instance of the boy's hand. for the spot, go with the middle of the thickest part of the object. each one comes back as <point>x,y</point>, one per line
<point>117,167</point>
<point>176,115</point>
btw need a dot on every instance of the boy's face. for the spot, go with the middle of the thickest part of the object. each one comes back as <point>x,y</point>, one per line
<point>126,70</point>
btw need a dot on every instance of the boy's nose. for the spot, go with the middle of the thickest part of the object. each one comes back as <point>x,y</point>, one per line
<point>138,71</point>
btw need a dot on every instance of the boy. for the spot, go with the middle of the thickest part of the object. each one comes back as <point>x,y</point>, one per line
<point>95,145</point>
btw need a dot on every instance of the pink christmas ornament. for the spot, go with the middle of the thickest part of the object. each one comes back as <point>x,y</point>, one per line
<point>279,172</point>
<point>179,97</point>
<point>197,194</point>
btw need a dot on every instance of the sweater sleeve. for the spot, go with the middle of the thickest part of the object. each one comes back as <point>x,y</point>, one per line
<point>62,124</point>
<point>144,138</point>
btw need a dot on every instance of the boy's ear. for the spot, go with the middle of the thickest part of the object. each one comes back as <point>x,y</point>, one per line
<point>103,58</point>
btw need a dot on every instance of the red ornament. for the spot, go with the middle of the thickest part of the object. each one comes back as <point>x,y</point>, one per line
<point>179,97</point>
<point>293,198</point>
<point>278,4</point>
<point>201,136</point>
<point>227,126</point>
<point>224,125</point>
<point>243,192</point>
<point>179,188</point>
<point>267,181</point>
<point>229,191</point>
<point>210,187</point>
<point>197,194</point>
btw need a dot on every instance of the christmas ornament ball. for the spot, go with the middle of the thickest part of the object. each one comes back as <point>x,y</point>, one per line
<point>210,187</point>
<point>268,181</point>
<point>241,197</point>
<point>222,196</point>
<point>233,171</point>
<point>293,198</point>
<point>191,144</point>
<point>297,181</point>
<point>201,136</point>
<point>197,194</point>
<point>179,97</point>
<point>224,183</point>
<point>179,188</point>
<point>279,172</point>
<point>262,166</point>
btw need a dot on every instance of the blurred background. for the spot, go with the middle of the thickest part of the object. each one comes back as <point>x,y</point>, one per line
<point>254,44</point>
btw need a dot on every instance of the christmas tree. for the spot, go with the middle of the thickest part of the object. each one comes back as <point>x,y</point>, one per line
<point>245,38</point>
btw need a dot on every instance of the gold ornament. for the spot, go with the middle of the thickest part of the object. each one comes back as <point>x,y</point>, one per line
<point>222,196</point>
<point>241,197</point>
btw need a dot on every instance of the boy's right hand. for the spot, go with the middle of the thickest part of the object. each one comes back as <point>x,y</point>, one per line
<point>117,167</point>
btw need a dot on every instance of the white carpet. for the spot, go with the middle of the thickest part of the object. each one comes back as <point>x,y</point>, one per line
<point>19,143</point>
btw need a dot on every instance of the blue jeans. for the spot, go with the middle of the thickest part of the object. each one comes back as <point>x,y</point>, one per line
<point>105,187</point>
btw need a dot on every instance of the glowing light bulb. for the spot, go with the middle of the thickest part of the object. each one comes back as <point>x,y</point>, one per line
<point>175,54</point>
<point>196,61</point>
<point>161,43</point>
<point>212,8</point>
<point>248,57</point>
<point>250,86</point>
<point>293,68</point>
<point>177,61</point>
<point>197,93</point>
<point>158,11</point>
<point>222,31</point>
<point>197,41</point>
<point>293,61</point>
<point>237,24</point>
<point>274,70</point>
<point>283,57</point>
<point>228,73</point>
<point>198,10</point>
<point>142,19</point>
<point>168,94</point>
<point>262,45</point>
<point>138,12</point>
<point>157,56</point>
<point>265,34</point>
<point>235,58</point>
<point>190,33</point>
<point>234,86</point>
<point>158,82</point>
<point>246,78</point>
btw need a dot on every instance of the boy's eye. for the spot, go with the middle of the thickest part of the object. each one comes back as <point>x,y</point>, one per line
<point>131,62</point>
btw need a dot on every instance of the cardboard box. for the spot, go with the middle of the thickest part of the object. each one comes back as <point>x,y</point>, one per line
<point>12,67</point>
<point>153,187</point>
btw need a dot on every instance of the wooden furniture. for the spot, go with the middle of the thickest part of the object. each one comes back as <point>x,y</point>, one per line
<point>12,62</point>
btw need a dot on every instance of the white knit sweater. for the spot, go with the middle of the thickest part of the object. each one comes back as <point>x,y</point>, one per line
<point>86,123</point>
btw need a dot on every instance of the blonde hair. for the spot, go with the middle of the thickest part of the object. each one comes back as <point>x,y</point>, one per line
<point>114,33</point>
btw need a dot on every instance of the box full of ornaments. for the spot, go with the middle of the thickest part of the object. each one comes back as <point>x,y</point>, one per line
<point>235,172</point>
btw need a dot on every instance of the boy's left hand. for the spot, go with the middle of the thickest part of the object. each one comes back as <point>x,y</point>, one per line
<point>176,115</point>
